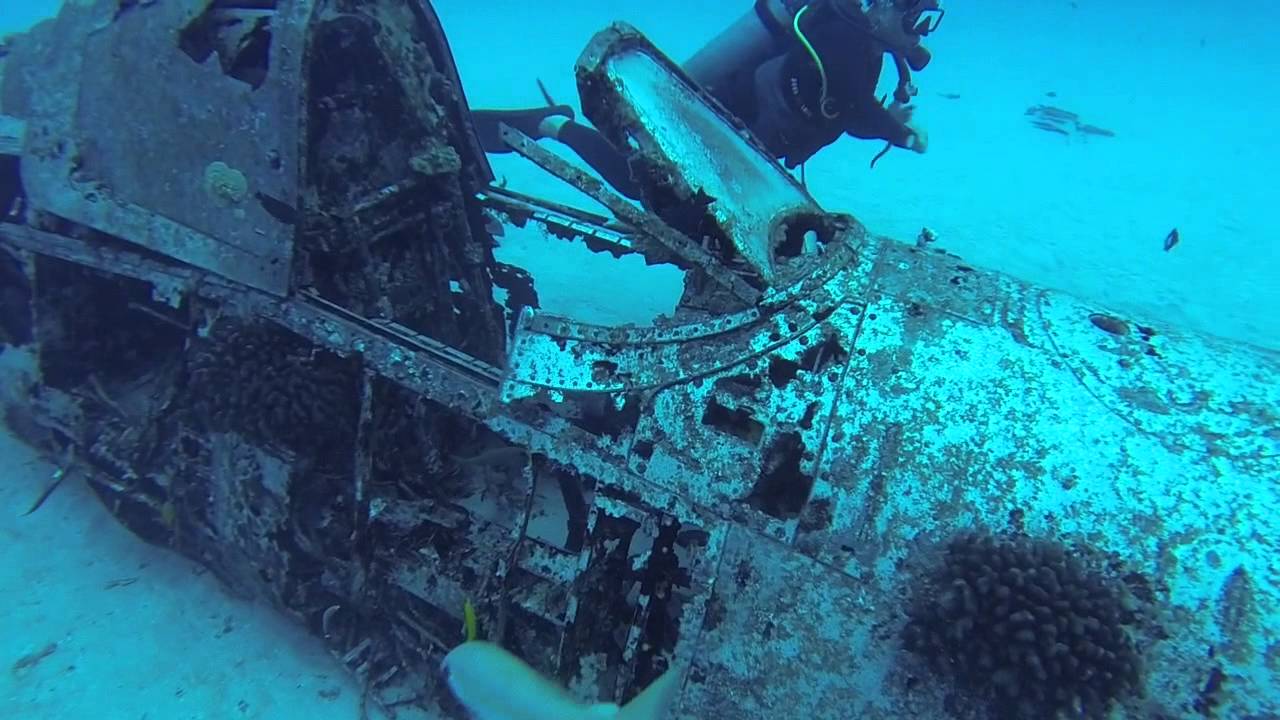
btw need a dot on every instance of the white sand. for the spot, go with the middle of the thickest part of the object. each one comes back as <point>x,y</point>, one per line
<point>1192,99</point>
<point>139,632</point>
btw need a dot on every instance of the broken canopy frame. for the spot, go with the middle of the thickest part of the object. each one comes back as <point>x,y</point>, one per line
<point>720,491</point>
<point>698,166</point>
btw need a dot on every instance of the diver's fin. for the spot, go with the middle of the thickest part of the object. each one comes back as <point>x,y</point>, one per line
<point>526,120</point>
<point>545,94</point>
<point>655,701</point>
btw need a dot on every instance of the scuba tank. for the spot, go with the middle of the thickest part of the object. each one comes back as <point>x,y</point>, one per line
<point>762,32</point>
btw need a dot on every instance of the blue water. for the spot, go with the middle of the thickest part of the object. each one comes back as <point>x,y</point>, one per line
<point>1189,90</point>
<point>1186,87</point>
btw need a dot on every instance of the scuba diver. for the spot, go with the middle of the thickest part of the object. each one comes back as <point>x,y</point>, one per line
<point>799,73</point>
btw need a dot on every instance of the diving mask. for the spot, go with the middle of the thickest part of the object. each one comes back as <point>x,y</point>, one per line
<point>922,17</point>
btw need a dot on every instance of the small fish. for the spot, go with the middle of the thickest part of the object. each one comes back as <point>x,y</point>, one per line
<point>59,475</point>
<point>470,626</point>
<point>1050,112</point>
<point>26,662</point>
<point>1049,127</point>
<point>1095,130</point>
<point>493,684</point>
<point>119,583</point>
<point>1171,239</point>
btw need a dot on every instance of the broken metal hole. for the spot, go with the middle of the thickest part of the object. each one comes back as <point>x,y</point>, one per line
<point>792,246</point>
<point>801,233</point>
<point>600,416</point>
<point>824,313</point>
<point>568,517</point>
<point>693,536</point>
<point>737,422</point>
<point>241,36</point>
<point>782,489</point>
<point>520,291</point>
<point>89,330</point>
<point>782,371</point>
<point>1109,323</point>
<point>806,422</point>
<point>16,320</point>
<point>659,635</point>
<point>738,384</point>
<point>253,57</point>
<point>820,356</point>
<point>817,516</point>
<point>603,372</point>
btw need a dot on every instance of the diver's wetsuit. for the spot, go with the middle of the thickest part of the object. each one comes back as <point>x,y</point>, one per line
<point>778,98</point>
<point>783,107</point>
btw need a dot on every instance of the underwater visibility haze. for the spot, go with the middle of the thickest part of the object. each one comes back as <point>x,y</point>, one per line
<point>556,360</point>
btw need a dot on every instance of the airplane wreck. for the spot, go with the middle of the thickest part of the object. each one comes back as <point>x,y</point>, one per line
<point>250,247</point>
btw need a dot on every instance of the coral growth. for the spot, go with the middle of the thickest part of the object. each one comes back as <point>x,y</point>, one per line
<point>1026,627</point>
<point>274,388</point>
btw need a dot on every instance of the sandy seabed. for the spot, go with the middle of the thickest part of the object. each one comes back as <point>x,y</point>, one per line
<point>100,625</point>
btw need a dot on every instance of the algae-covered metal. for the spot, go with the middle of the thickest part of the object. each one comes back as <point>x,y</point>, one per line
<point>271,341</point>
